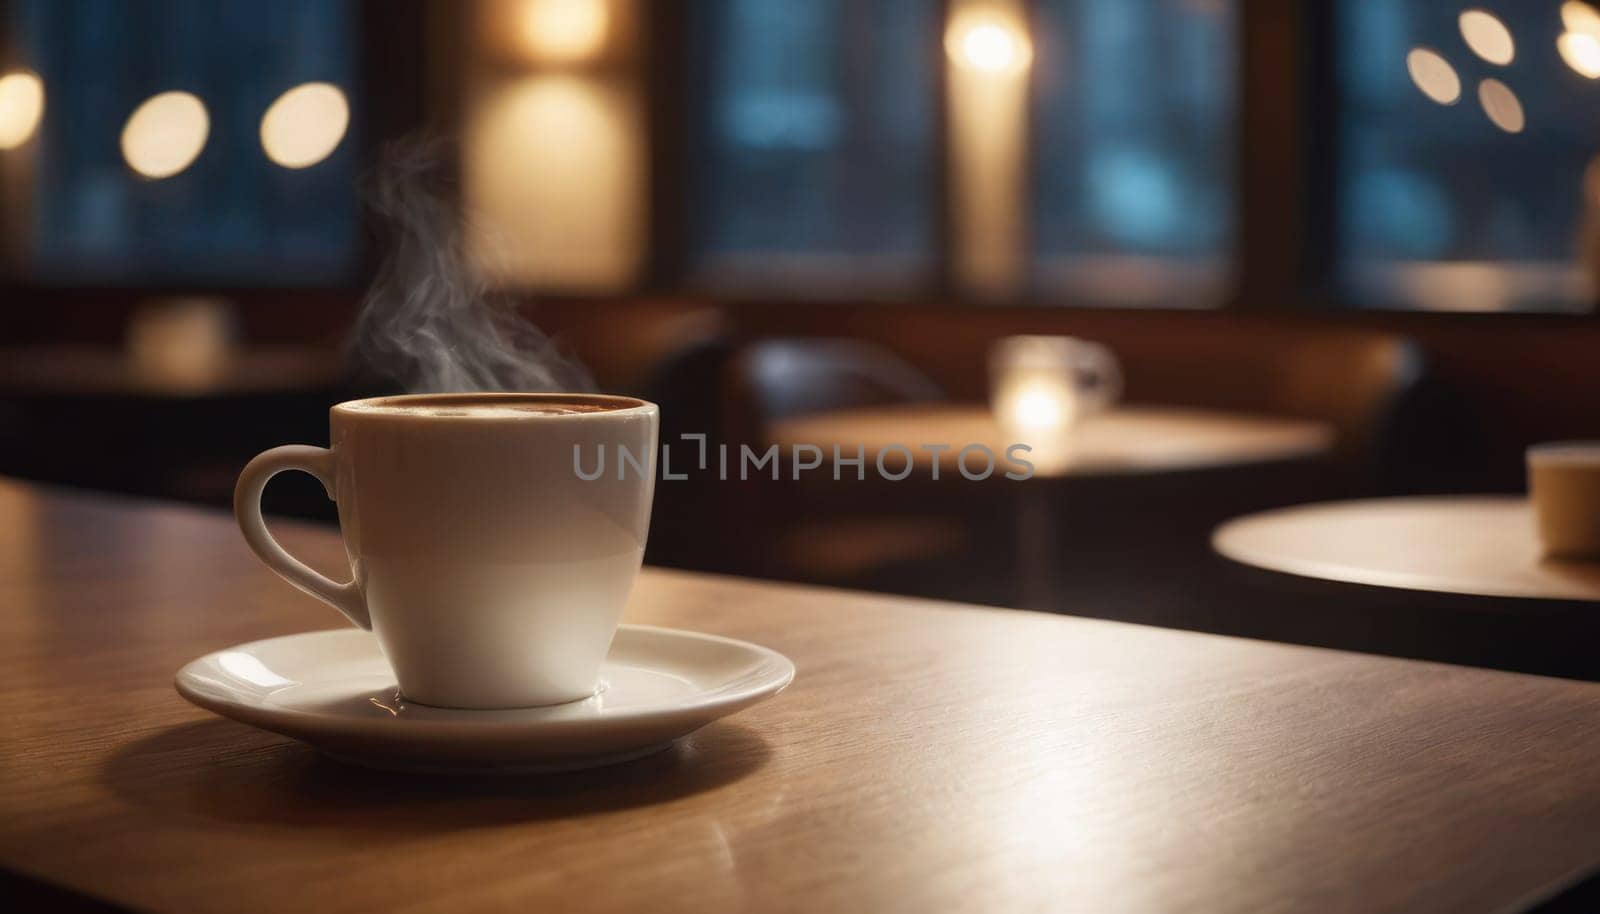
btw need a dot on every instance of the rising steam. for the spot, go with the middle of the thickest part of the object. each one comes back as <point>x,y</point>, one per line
<point>430,321</point>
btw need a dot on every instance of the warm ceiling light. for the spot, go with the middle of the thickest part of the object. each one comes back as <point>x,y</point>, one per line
<point>21,107</point>
<point>564,31</point>
<point>164,134</point>
<point>988,43</point>
<point>994,48</point>
<point>1501,105</point>
<point>1487,36</point>
<point>1434,76</point>
<point>1581,51</point>
<point>304,126</point>
<point>1580,17</point>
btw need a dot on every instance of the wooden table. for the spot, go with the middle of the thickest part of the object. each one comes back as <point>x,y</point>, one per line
<point>1129,440</point>
<point>1477,545</point>
<point>930,757</point>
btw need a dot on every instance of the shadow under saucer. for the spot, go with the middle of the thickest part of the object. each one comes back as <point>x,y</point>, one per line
<point>223,771</point>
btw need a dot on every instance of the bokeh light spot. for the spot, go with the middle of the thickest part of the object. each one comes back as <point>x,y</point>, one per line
<point>1487,36</point>
<point>1434,76</point>
<point>564,31</point>
<point>165,134</point>
<point>21,108</point>
<point>1501,105</point>
<point>1581,51</point>
<point>988,42</point>
<point>1580,17</point>
<point>305,124</point>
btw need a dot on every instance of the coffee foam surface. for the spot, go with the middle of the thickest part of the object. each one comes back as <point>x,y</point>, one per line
<point>481,410</point>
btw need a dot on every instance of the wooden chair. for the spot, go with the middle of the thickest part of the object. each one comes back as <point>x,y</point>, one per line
<point>815,529</point>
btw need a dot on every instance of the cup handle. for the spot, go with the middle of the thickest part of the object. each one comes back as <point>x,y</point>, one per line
<point>317,461</point>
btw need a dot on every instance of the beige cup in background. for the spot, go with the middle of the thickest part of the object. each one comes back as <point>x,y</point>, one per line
<point>492,572</point>
<point>1564,487</point>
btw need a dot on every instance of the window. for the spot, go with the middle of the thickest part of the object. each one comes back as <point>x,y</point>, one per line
<point>817,150</point>
<point>231,216</point>
<point>822,147</point>
<point>1133,150</point>
<point>1463,143</point>
<point>813,150</point>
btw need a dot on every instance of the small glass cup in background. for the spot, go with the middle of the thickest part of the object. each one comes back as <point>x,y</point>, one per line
<point>1045,385</point>
<point>1041,387</point>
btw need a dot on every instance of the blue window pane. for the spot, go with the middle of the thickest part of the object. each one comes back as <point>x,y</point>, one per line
<point>1133,151</point>
<point>814,152</point>
<point>1438,207</point>
<point>230,218</point>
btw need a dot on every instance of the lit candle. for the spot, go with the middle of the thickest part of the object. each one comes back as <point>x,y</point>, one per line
<point>1041,387</point>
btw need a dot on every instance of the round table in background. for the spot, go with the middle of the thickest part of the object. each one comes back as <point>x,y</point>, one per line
<point>1476,545</point>
<point>177,429</point>
<point>1124,442</point>
<point>105,371</point>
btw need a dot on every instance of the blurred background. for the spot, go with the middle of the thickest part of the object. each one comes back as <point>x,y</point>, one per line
<point>1380,216</point>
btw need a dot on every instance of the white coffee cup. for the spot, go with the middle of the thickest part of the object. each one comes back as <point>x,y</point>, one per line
<point>493,573</point>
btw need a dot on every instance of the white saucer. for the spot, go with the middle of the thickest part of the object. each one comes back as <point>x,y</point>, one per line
<point>334,690</point>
